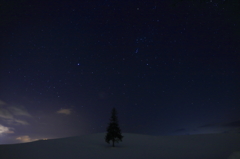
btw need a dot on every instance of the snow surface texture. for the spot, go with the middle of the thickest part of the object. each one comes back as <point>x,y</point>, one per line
<point>235,155</point>
<point>134,146</point>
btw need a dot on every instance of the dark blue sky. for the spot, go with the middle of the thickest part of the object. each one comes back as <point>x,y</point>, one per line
<point>167,67</point>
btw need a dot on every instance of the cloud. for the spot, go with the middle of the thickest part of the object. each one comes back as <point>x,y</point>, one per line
<point>2,102</point>
<point>180,130</point>
<point>211,125</point>
<point>25,138</point>
<point>64,111</point>
<point>16,122</point>
<point>22,122</point>
<point>19,111</point>
<point>229,124</point>
<point>10,114</point>
<point>233,124</point>
<point>220,127</point>
<point>4,113</point>
<point>5,130</point>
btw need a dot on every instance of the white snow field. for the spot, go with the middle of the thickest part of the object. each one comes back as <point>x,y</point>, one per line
<point>235,155</point>
<point>134,146</point>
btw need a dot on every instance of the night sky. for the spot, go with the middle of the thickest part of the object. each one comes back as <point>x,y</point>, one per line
<point>168,67</point>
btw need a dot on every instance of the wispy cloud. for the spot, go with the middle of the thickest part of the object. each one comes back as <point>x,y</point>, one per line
<point>21,122</point>
<point>24,138</point>
<point>5,130</point>
<point>221,127</point>
<point>4,113</point>
<point>2,102</point>
<point>233,124</point>
<point>10,114</point>
<point>64,111</point>
<point>19,111</point>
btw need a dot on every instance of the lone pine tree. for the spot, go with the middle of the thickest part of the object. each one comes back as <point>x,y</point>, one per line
<point>113,130</point>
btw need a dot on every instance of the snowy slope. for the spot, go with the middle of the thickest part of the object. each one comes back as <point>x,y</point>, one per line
<point>134,146</point>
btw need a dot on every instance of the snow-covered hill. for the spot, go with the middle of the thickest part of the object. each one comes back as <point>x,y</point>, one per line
<point>134,146</point>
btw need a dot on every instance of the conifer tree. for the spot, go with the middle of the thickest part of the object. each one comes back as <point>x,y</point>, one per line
<point>113,130</point>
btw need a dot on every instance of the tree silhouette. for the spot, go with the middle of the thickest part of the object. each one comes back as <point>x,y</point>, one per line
<point>113,130</point>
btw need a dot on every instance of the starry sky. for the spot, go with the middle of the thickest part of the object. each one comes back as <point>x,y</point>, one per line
<point>168,67</point>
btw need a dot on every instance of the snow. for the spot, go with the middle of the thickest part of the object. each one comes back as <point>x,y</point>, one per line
<point>134,146</point>
<point>235,155</point>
